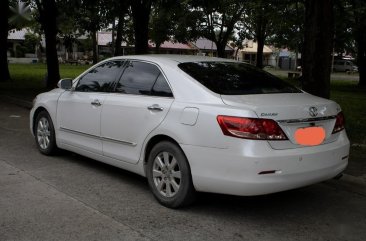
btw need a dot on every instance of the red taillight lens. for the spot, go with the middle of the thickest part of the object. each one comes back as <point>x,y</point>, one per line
<point>340,123</point>
<point>251,128</point>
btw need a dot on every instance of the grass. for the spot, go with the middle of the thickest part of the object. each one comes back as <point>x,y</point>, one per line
<point>353,102</point>
<point>28,81</point>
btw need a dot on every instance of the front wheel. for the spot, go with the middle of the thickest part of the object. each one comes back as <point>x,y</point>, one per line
<point>169,175</point>
<point>44,133</point>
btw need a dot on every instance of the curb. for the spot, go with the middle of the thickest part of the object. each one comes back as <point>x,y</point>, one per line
<point>19,102</point>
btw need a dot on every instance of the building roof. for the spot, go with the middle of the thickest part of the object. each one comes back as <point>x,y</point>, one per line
<point>206,44</point>
<point>172,45</point>
<point>17,34</point>
<point>105,38</point>
<point>250,46</point>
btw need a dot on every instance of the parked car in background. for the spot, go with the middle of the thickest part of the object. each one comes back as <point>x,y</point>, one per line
<point>344,66</point>
<point>191,123</point>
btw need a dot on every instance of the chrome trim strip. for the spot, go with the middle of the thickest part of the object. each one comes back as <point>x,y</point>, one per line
<point>78,132</point>
<point>119,141</point>
<point>97,137</point>
<point>307,120</point>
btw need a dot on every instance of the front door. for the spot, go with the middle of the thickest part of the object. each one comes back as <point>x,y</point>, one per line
<point>79,110</point>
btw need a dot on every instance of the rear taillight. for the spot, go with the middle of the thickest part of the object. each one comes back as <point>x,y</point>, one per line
<point>340,123</point>
<point>251,128</point>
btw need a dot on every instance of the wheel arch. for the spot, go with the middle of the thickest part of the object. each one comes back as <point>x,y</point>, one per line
<point>34,117</point>
<point>155,140</point>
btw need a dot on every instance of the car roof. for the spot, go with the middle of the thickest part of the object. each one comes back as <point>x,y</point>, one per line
<point>174,58</point>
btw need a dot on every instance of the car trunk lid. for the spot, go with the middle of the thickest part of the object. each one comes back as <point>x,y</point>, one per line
<point>292,111</point>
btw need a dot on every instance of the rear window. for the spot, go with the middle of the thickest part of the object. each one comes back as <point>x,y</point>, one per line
<point>228,78</point>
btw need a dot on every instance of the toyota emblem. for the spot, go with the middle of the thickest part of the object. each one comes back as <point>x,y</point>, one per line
<point>313,111</point>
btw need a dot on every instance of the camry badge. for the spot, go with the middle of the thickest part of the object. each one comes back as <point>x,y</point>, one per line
<point>313,111</point>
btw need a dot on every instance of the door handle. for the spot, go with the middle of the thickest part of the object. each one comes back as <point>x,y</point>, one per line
<point>96,102</point>
<point>155,107</point>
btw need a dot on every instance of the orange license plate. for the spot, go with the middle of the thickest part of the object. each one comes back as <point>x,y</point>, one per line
<point>310,136</point>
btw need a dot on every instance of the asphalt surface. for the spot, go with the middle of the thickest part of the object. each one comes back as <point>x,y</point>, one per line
<point>69,197</point>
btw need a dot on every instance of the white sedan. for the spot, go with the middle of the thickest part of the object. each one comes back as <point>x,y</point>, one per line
<point>191,123</point>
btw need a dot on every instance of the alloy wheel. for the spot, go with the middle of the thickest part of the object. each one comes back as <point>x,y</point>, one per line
<point>166,174</point>
<point>43,133</point>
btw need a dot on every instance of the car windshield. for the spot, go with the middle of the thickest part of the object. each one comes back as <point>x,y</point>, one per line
<point>230,78</point>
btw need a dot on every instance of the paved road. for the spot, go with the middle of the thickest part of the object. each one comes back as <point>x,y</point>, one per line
<point>69,197</point>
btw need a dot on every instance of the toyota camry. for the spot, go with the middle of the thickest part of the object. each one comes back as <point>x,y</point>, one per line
<point>194,124</point>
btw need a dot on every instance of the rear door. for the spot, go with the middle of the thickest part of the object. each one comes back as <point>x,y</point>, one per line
<point>141,101</point>
<point>78,112</point>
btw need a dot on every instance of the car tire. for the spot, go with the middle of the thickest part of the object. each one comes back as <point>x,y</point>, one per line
<point>44,133</point>
<point>169,175</point>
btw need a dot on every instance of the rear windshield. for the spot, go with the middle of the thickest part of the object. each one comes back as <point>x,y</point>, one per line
<point>229,78</point>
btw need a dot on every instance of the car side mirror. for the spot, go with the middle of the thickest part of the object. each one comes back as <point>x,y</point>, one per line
<point>65,84</point>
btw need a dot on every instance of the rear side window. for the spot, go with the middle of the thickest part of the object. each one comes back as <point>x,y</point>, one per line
<point>228,78</point>
<point>101,78</point>
<point>142,78</point>
<point>161,88</point>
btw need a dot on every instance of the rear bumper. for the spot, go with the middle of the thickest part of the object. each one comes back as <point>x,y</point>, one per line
<point>235,170</point>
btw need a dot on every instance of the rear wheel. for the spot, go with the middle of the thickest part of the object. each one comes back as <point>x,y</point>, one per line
<point>44,133</point>
<point>169,175</point>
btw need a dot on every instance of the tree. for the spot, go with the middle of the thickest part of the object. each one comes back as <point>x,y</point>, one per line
<point>4,28</point>
<point>359,31</point>
<point>344,41</point>
<point>141,10</point>
<point>20,15</point>
<point>47,17</point>
<point>318,44</point>
<point>219,19</point>
<point>161,25</point>
<point>173,20</point>
<point>122,8</point>
<point>258,14</point>
<point>91,22</point>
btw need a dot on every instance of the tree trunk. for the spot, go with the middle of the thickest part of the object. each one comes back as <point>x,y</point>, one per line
<point>141,16</point>
<point>260,46</point>
<point>95,46</point>
<point>361,56</point>
<point>4,28</point>
<point>359,11</point>
<point>220,50</point>
<point>260,34</point>
<point>157,48</point>
<point>48,13</point>
<point>118,44</point>
<point>113,43</point>
<point>318,47</point>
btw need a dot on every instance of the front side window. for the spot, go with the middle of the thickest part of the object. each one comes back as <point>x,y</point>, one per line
<point>230,78</point>
<point>101,78</point>
<point>142,78</point>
